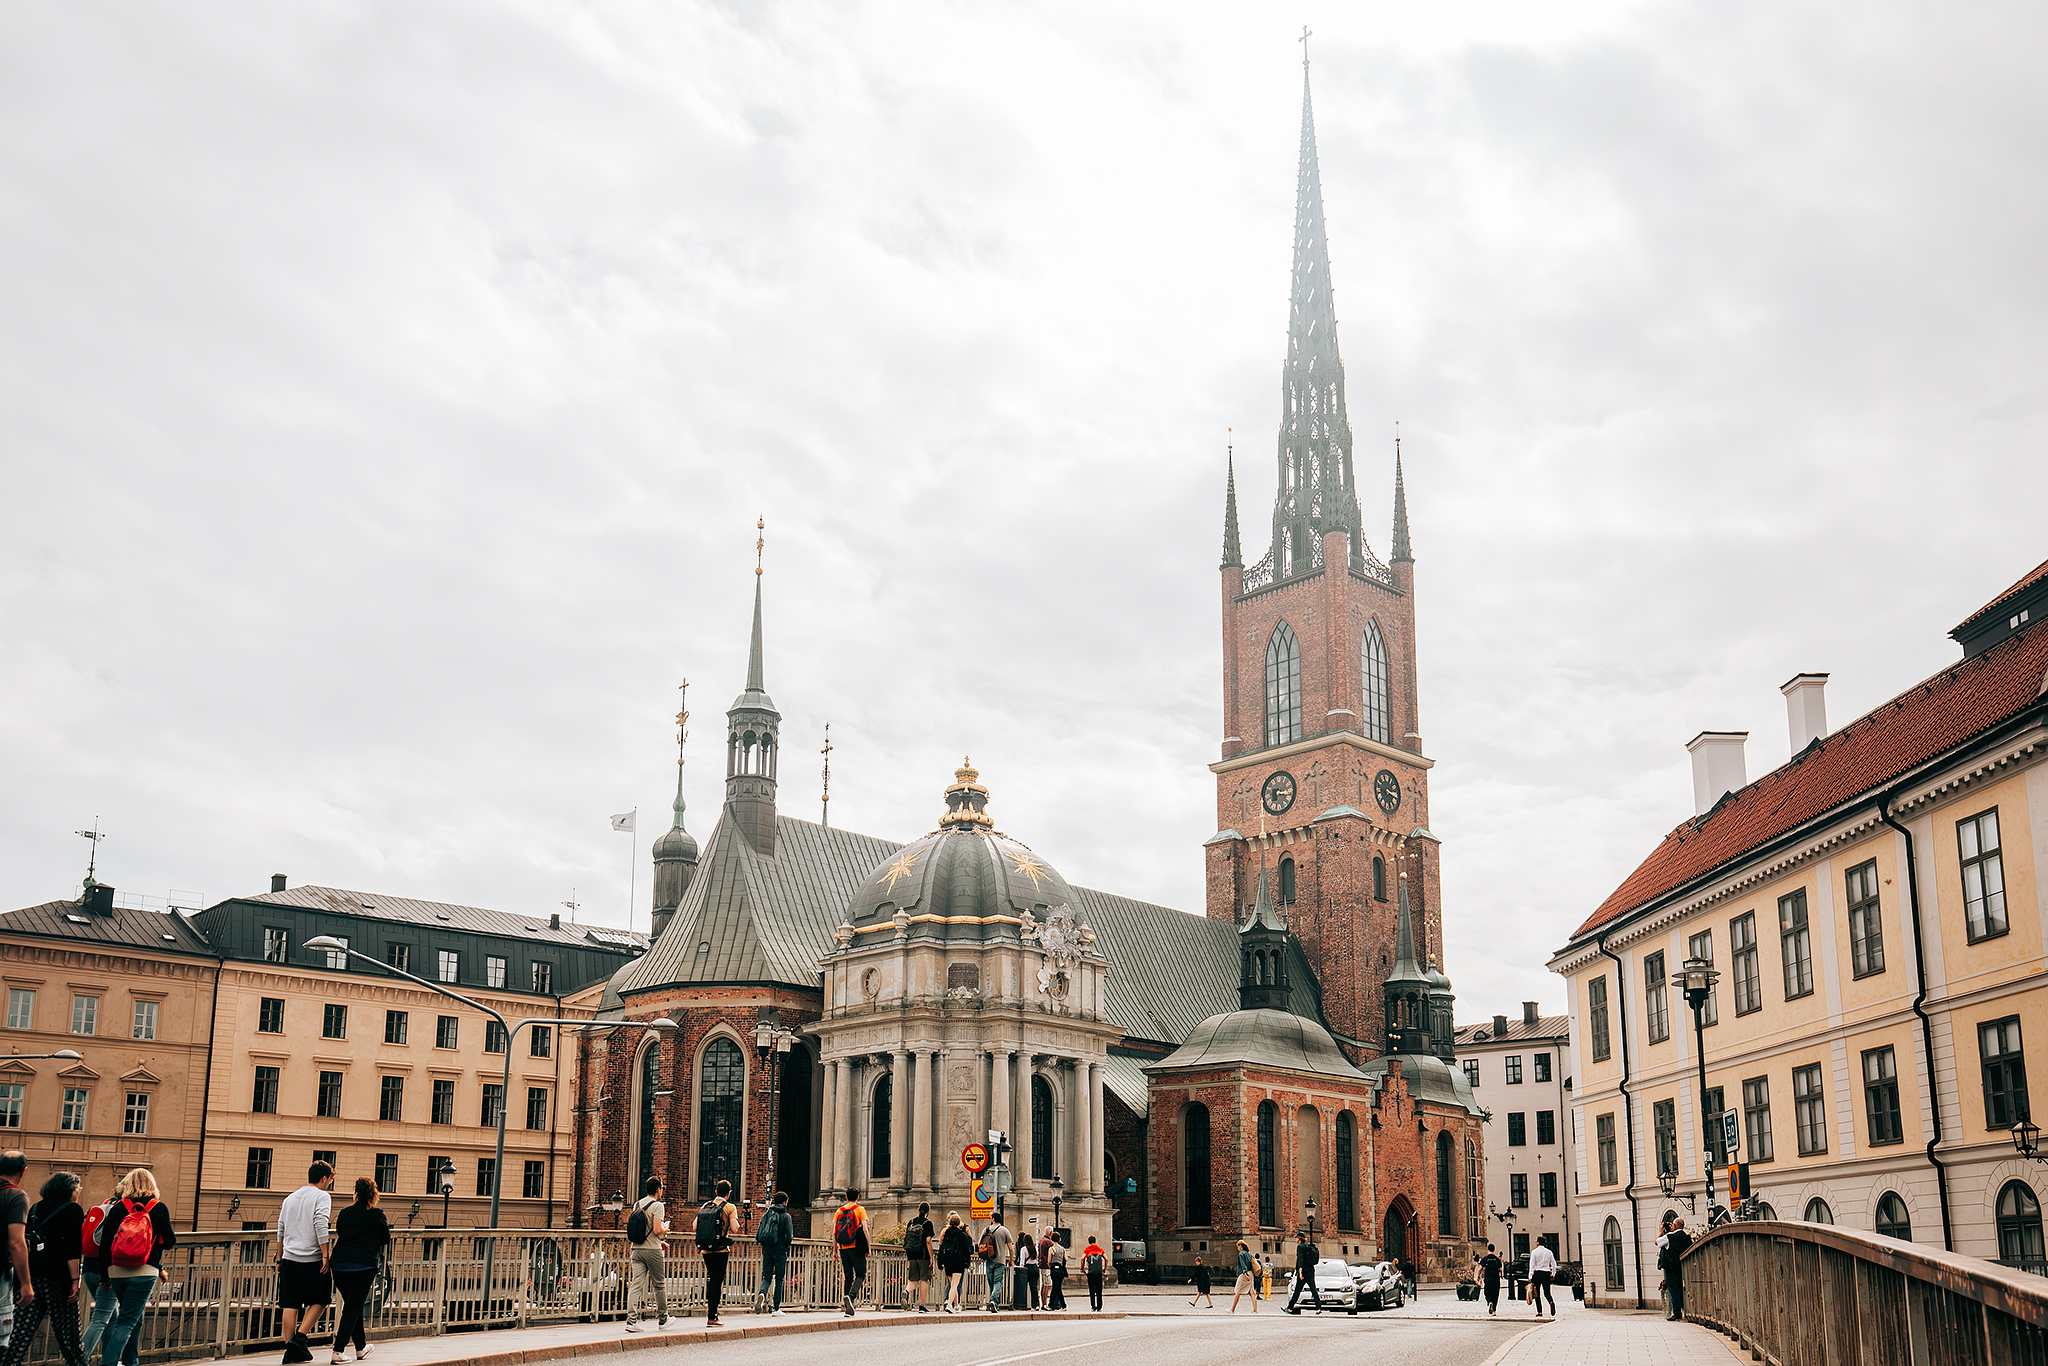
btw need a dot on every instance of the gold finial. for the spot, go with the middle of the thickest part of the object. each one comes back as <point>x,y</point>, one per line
<point>760,540</point>
<point>682,720</point>
<point>825,802</point>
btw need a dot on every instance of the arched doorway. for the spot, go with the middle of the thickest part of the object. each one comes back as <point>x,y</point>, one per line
<point>1394,1239</point>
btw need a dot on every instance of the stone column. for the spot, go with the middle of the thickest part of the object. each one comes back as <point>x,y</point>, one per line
<point>844,1150</point>
<point>921,1122</point>
<point>1020,1115</point>
<point>901,1108</point>
<point>1091,1151</point>
<point>828,1129</point>
<point>1077,1129</point>
<point>1100,1140</point>
<point>1001,1091</point>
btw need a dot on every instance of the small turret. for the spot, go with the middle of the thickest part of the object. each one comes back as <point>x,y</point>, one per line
<point>675,852</point>
<point>753,743</point>
<point>1407,990</point>
<point>1263,980</point>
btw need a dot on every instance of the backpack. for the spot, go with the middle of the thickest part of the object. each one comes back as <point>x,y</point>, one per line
<point>1092,1263</point>
<point>711,1227</point>
<point>846,1229</point>
<point>917,1241</point>
<point>89,1235</point>
<point>638,1226</point>
<point>134,1236</point>
<point>988,1246</point>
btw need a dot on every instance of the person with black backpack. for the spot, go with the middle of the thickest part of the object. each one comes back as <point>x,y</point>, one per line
<point>775,1235</point>
<point>53,1256</point>
<point>717,1221</point>
<point>917,1253</point>
<point>645,1227</point>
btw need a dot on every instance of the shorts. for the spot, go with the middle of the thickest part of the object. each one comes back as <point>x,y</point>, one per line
<point>916,1270</point>
<point>1244,1283</point>
<point>301,1285</point>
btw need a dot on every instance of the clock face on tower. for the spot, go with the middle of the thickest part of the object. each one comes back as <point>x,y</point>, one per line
<point>1278,794</point>
<point>1386,790</point>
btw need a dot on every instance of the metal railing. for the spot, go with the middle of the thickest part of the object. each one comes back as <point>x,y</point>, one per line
<point>217,1294</point>
<point>1796,1293</point>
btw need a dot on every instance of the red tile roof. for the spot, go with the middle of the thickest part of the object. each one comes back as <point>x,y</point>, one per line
<point>1935,715</point>
<point>2040,571</point>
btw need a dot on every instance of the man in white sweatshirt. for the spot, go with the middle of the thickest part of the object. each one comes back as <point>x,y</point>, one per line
<point>303,1281</point>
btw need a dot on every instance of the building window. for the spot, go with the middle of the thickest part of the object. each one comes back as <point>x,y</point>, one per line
<point>1664,1123</point>
<point>1471,1066</point>
<point>1518,1134</point>
<point>447,964</point>
<point>1373,659</point>
<point>1603,1130</point>
<point>1379,878</point>
<point>1983,875</point>
<point>258,1176</point>
<point>1817,1212</point>
<point>486,1175</point>
<point>277,944</point>
<point>337,959</point>
<point>496,1040</point>
<point>2005,1072</point>
<point>264,1100</point>
<point>11,1094</point>
<point>1810,1109</point>
<point>1866,926</point>
<point>1610,1247</point>
<point>2019,1226</point>
<point>21,1008</point>
<point>493,1108</point>
<point>721,1094</point>
<point>1596,1012</point>
<point>1286,881</point>
<point>1518,1190</point>
<point>334,1022</point>
<point>391,1098</point>
<point>1756,1119</point>
<point>1749,988</point>
<point>447,1030</point>
<point>145,1020</point>
<point>326,1155</point>
<point>1892,1219</point>
<point>443,1111</point>
<point>135,1120</point>
<point>1543,1067</point>
<point>1513,1066</point>
<point>536,1107</point>
<point>1796,944</point>
<point>1546,1189</point>
<point>270,1015</point>
<point>396,1023</point>
<point>1194,1127</point>
<point>1881,1096</point>
<point>494,972</point>
<point>1715,1103</point>
<point>1283,687</point>
<point>1347,1164</point>
<point>534,1184</point>
<point>543,979</point>
<point>329,1105</point>
<point>399,956</point>
<point>878,1128</point>
<point>1701,946</point>
<point>1475,1226</point>
<point>387,1173</point>
<point>1041,1136</point>
<point>1446,1154</point>
<point>1268,1118</point>
<point>1656,998</point>
<point>542,1042</point>
<point>85,1014</point>
<point>72,1119</point>
<point>1546,1128</point>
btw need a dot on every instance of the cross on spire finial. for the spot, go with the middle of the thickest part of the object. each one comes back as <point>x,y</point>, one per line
<point>1306,34</point>
<point>760,540</point>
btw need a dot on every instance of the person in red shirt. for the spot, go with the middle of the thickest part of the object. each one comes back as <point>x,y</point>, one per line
<point>850,1233</point>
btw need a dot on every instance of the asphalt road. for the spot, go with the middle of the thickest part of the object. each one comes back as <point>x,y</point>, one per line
<point>1183,1340</point>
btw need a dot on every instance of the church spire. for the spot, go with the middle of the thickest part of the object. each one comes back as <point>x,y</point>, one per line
<point>1262,982</point>
<point>1402,554</point>
<point>675,853</point>
<point>753,738</point>
<point>1233,555</point>
<point>1407,989</point>
<point>754,680</point>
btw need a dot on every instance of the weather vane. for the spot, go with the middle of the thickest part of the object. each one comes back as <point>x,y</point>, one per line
<point>1306,34</point>
<point>760,540</point>
<point>92,864</point>
<point>826,818</point>
<point>682,741</point>
<point>573,904</point>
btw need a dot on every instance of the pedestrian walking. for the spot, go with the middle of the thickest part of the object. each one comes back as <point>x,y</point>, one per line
<point>16,1286</point>
<point>850,1236</point>
<point>305,1280</point>
<point>1094,1262</point>
<point>1306,1255</point>
<point>132,1239</point>
<point>1247,1266</point>
<point>361,1233</point>
<point>1202,1286</point>
<point>1058,1269</point>
<point>1542,1267</point>
<point>646,1226</point>
<point>917,1253</point>
<point>52,1233</point>
<point>1674,1244</point>
<point>1489,1270</point>
<point>1045,1242</point>
<point>995,1258</point>
<point>776,1233</point>
<point>1408,1271</point>
<point>717,1222</point>
<point>93,1272</point>
<point>1027,1272</point>
<point>956,1250</point>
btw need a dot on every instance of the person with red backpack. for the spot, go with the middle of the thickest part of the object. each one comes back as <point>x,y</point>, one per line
<point>93,1272</point>
<point>850,1236</point>
<point>132,1238</point>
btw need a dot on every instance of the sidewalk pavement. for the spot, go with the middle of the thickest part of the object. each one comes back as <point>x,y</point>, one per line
<point>1611,1337</point>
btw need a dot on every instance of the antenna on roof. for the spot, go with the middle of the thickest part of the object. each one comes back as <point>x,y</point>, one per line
<point>826,801</point>
<point>92,864</point>
<point>572,903</point>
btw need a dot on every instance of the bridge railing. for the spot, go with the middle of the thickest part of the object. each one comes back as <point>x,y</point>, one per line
<point>1797,1294</point>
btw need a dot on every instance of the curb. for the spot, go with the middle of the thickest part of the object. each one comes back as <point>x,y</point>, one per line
<point>837,1323</point>
<point>1508,1346</point>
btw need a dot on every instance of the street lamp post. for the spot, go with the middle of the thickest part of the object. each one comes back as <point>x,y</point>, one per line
<point>445,1178</point>
<point>1667,1181</point>
<point>1057,1187</point>
<point>773,1043</point>
<point>1309,1205</point>
<point>1696,978</point>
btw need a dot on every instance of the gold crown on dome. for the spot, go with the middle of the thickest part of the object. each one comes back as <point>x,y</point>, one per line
<point>965,798</point>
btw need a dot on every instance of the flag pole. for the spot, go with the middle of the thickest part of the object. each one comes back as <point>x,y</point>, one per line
<point>633,870</point>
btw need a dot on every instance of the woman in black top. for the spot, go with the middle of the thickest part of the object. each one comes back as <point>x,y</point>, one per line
<point>361,1234</point>
<point>54,1225</point>
<point>956,1249</point>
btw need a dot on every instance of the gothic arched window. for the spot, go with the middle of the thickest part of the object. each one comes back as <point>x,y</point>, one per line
<point>1286,881</point>
<point>1347,1160</point>
<point>1283,687</point>
<point>1446,1185</point>
<point>1892,1219</point>
<point>1610,1248</point>
<point>1373,665</point>
<point>1269,1114</point>
<point>2019,1225</point>
<point>1194,1128</point>
<point>721,1099</point>
<point>1041,1130</point>
<point>650,1082</point>
<point>878,1130</point>
<point>1474,1222</point>
<point>1379,878</point>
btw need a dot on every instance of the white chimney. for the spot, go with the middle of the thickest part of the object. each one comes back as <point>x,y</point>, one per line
<point>1806,709</point>
<point>1717,766</point>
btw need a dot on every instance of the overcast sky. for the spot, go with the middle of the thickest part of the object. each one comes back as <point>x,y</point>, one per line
<point>388,393</point>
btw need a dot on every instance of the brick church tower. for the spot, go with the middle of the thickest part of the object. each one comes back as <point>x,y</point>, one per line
<point>1322,766</point>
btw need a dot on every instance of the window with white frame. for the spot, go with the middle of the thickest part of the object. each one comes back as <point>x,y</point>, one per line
<point>144,1025</point>
<point>85,1014</point>
<point>447,964</point>
<point>1796,943</point>
<point>135,1118</point>
<point>1866,925</point>
<point>1983,875</point>
<point>21,1008</point>
<point>11,1094</point>
<point>72,1119</point>
<point>494,972</point>
<point>1656,998</point>
<point>1749,989</point>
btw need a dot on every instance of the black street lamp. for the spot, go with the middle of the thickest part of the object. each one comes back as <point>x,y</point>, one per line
<point>1057,1187</point>
<point>1667,1181</point>
<point>1309,1206</point>
<point>445,1177</point>
<point>1696,978</point>
<point>772,1042</point>
<point>2026,1139</point>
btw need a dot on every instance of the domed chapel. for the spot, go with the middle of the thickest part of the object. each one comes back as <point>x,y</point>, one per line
<point>854,1011</point>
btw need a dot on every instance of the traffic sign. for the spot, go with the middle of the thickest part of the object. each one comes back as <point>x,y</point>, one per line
<point>974,1157</point>
<point>1730,1131</point>
<point>981,1201</point>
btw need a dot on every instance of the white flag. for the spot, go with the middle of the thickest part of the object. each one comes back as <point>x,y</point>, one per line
<point>624,822</point>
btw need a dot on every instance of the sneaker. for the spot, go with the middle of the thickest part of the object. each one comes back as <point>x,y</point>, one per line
<point>662,1322</point>
<point>714,1323</point>
<point>632,1327</point>
<point>365,1350</point>
<point>778,1314</point>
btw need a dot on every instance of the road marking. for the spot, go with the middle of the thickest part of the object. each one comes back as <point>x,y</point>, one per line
<point>1072,1346</point>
